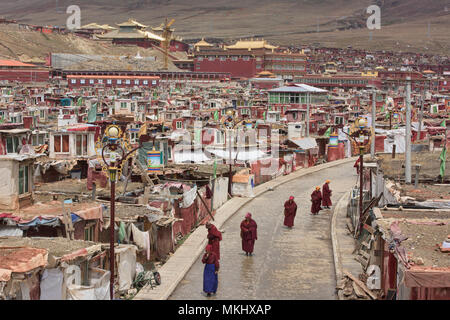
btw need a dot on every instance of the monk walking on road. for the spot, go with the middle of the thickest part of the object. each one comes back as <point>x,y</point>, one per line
<point>316,199</point>
<point>210,278</point>
<point>290,210</point>
<point>326,195</point>
<point>356,165</point>
<point>214,237</point>
<point>248,234</point>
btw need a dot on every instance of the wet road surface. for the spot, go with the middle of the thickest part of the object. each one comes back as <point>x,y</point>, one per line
<point>287,264</point>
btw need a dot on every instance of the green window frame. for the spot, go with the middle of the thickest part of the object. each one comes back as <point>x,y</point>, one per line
<point>23,179</point>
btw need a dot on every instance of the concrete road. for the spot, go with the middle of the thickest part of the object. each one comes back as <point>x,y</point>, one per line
<point>287,264</point>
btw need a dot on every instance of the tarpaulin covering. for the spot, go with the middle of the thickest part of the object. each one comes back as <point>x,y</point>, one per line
<point>126,260</point>
<point>141,239</point>
<point>188,219</point>
<point>305,143</point>
<point>98,290</point>
<point>240,155</point>
<point>95,213</point>
<point>427,277</point>
<point>30,288</point>
<point>396,137</point>
<point>21,259</point>
<point>243,187</point>
<point>429,293</point>
<point>9,216</point>
<point>82,252</point>
<point>10,231</point>
<point>189,197</point>
<point>220,193</point>
<point>189,156</point>
<point>51,222</point>
<point>433,204</point>
<point>5,274</point>
<point>52,284</point>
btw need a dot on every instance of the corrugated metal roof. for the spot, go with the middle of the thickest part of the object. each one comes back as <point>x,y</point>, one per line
<point>298,88</point>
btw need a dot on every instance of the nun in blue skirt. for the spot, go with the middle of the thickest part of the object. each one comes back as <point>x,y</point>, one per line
<point>210,280</point>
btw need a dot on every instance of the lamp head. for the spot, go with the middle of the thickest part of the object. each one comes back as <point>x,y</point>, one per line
<point>113,133</point>
<point>362,123</point>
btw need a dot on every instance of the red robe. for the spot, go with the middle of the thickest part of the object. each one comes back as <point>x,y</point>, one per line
<point>214,236</point>
<point>290,210</point>
<point>316,198</point>
<point>326,195</point>
<point>248,235</point>
<point>211,259</point>
<point>356,165</point>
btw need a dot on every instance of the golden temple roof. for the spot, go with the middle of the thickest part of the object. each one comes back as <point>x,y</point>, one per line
<point>251,44</point>
<point>131,23</point>
<point>203,43</point>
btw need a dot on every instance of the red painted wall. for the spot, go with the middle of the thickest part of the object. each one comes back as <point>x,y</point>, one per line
<point>113,84</point>
<point>239,68</point>
<point>25,75</point>
<point>176,45</point>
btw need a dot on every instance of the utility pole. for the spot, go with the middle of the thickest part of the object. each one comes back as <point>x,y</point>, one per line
<point>308,96</point>
<point>408,132</point>
<point>372,144</point>
<point>111,238</point>
<point>229,171</point>
<point>420,117</point>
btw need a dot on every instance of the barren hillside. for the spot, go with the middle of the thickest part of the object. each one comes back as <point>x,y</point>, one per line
<point>31,46</point>
<point>412,25</point>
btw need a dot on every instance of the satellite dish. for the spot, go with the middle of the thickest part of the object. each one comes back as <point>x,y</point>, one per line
<point>138,56</point>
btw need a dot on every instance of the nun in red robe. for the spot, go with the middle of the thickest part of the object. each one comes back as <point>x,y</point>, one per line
<point>248,234</point>
<point>210,278</point>
<point>214,237</point>
<point>316,199</point>
<point>326,195</point>
<point>290,210</point>
<point>356,165</point>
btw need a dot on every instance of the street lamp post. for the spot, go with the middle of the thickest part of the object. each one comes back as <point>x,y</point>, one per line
<point>114,144</point>
<point>361,137</point>
<point>229,124</point>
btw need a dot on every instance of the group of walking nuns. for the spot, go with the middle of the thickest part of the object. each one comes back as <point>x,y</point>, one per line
<point>249,235</point>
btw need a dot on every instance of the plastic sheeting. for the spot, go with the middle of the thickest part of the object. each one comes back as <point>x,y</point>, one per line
<point>188,156</point>
<point>433,204</point>
<point>396,136</point>
<point>141,239</point>
<point>126,266</point>
<point>98,290</point>
<point>398,139</point>
<point>22,259</point>
<point>240,155</point>
<point>30,288</point>
<point>52,284</point>
<point>10,231</point>
<point>51,222</point>
<point>305,143</point>
<point>189,198</point>
<point>244,189</point>
<point>220,192</point>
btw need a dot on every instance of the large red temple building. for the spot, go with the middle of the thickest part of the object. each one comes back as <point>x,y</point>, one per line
<point>246,58</point>
<point>13,70</point>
